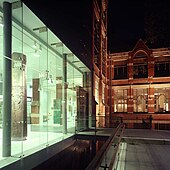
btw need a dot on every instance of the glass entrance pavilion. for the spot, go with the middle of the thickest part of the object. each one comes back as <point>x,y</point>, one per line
<point>45,89</point>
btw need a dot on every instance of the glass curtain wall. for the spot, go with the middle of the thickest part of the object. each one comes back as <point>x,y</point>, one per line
<point>45,78</point>
<point>1,80</point>
<point>19,92</point>
<point>74,80</point>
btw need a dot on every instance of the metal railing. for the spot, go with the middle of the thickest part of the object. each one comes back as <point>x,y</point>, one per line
<point>106,157</point>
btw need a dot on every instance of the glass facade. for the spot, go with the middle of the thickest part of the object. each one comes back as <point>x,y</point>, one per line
<point>46,82</point>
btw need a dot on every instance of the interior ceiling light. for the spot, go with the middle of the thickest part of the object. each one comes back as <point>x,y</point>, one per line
<point>75,61</point>
<point>35,45</point>
<point>36,53</point>
<point>40,48</point>
<point>58,44</point>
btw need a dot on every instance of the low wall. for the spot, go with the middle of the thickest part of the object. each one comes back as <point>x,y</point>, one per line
<point>33,160</point>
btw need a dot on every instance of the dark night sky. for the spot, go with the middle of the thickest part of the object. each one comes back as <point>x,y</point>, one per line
<point>125,24</point>
<point>70,20</point>
<point>128,21</point>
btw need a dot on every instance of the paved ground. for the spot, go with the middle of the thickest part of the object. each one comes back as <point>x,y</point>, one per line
<point>145,150</point>
<point>144,157</point>
<point>98,131</point>
<point>141,149</point>
<point>147,134</point>
<point>133,133</point>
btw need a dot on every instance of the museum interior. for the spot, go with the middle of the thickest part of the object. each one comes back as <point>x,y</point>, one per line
<point>44,87</point>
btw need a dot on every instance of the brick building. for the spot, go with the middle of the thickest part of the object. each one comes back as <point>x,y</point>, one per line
<point>132,85</point>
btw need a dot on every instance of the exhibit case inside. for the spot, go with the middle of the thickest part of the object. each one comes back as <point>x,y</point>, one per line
<point>44,86</point>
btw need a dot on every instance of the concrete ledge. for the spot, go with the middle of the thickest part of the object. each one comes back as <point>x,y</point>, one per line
<point>91,137</point>
<point>146,140</point>
<point>34,159</point>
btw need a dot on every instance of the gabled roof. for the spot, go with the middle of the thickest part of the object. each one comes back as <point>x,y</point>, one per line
<point>140,46</point>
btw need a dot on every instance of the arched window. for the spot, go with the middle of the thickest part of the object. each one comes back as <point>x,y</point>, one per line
<point>140,65</point>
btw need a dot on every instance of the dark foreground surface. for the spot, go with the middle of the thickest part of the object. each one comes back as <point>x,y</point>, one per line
<point>75,157</point>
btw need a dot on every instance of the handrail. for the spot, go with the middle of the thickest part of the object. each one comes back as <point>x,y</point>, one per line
<point>97,160</point>
<point>116,150</point>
